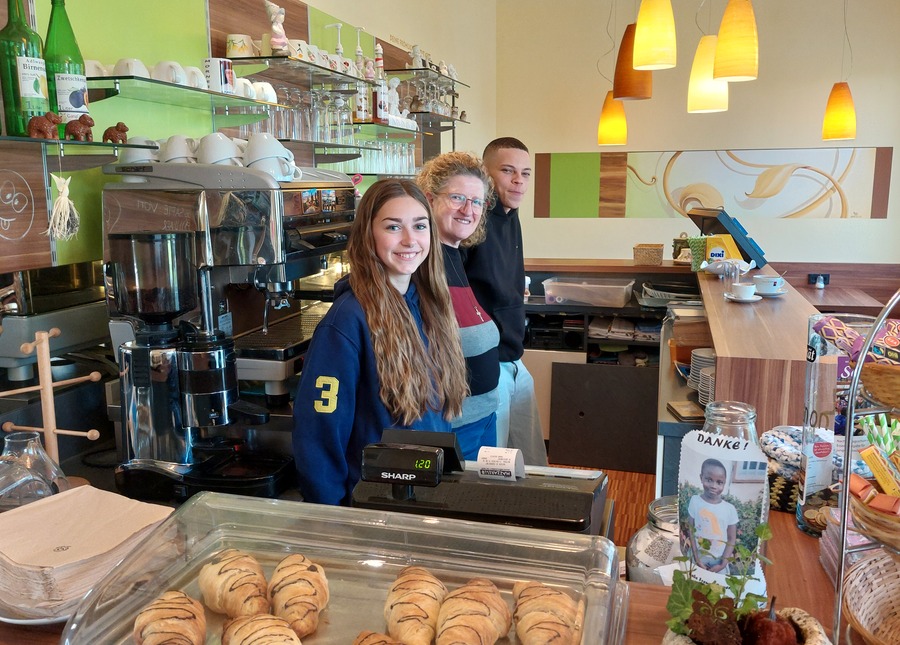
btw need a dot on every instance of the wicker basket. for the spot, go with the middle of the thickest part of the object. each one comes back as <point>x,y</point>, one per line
<point>648,254</point>
<point>878,526</point>
<point>882,383</point>
<point>872,598</point>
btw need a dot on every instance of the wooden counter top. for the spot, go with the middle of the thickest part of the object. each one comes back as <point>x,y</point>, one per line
<point>841,299</point>
<point>796,577</point>
<point>760,350</point>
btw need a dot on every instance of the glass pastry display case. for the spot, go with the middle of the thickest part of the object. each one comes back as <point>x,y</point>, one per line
<point>361,552</point>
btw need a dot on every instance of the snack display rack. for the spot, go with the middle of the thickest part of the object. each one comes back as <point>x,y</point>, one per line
<point>878,595</point>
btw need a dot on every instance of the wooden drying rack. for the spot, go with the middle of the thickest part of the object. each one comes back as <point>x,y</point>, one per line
<point>41,346</point>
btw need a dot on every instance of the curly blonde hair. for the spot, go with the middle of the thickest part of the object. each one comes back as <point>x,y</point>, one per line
<point>437,173</point>
<point>407,390</point>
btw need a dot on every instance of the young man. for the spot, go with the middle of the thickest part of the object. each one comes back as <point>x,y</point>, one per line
<point>496,273</point>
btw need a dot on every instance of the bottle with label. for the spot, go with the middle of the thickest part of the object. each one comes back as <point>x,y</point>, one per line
<point>65,68</point>
<point>829,366</point>
<point>22,72</point>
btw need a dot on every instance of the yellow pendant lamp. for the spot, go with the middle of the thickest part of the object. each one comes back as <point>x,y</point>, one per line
<point>840,114</point>
<point>613,128</point>
<point>705,93</point>
<point>737,50</point>
<point>654,36</point>
<point>630,83</point>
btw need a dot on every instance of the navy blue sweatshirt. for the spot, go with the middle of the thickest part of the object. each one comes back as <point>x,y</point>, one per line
<point>338,409</point>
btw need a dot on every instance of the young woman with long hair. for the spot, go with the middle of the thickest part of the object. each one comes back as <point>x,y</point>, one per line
<point>387,353</point>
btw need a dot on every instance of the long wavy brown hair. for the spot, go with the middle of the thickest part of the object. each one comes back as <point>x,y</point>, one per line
<point>436,174</point>
<point>414,376</point>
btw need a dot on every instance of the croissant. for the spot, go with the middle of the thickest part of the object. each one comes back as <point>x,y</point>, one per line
<point>371,638</point>
<point>412,606</point>
<point>298,591</point>
<point>546,616</point>
<point>259,629</point>
<point>234,584</point>
<point>474,614</point>
<point>173,618</point>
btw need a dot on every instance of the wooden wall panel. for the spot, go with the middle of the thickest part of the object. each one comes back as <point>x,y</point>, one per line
<point>249,17</point>
<point>613,177</point>
<point>23,208</point>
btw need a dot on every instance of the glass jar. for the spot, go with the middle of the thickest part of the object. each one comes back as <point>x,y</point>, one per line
<point>738,420</point>
<point>655,544</point>
<point>27,448</point>
<point>831,342</point>
<point>20,485</point>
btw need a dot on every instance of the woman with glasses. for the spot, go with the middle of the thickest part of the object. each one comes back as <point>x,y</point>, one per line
<point>387,353</point>
<point>456,186</point>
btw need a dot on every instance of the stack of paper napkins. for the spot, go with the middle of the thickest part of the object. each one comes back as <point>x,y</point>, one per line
<point>54,550</point>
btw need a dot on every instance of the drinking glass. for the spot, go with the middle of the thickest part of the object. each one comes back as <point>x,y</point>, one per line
<point>27,448</point>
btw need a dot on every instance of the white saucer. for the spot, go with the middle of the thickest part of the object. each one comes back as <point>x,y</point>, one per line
<point>733,298</point>
<point>772,295</point>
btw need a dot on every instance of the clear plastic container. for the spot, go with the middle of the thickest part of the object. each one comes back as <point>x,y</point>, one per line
<point>361,552</point>
<point>599,292</point>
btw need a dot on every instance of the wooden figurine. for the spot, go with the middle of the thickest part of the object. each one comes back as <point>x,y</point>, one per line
<point>116,133</point>
<point>44,127</point>
<point>80,129</point>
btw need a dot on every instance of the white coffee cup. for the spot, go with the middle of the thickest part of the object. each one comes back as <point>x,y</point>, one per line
<point>218,148</point>
<point>264,92</point>
<point>169,71</point>
<point>768,283</point>
<point>130,67</point>
<point>239,46</point>
<point>281,169</point>
<point>244,87</point>
<point>94,68</point>
<point>178,149</point>
<point>743,290</point>
<point>138,155</point>
<point>219,75</point>
<point>298,49</point>
<point>264,145</point>
<point>195,77</point>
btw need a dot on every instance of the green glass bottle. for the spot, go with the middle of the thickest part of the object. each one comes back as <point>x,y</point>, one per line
<point>23,75</point>
<point>65,68</point>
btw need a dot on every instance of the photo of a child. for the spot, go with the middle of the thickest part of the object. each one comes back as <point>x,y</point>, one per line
<point>713,521</point>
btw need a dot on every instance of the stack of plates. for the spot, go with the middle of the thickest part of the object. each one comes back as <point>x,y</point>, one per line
<point>700,358</point>
<point>707,390</point>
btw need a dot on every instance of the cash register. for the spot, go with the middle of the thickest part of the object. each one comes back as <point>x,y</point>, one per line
<point>423,473</point>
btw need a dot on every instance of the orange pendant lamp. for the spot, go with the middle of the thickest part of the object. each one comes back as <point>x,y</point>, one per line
<point>840,114</point>
<point>654,36</point>
<point>612,129</point>
<point>705,93</point>
<point>737,50</point>
<point>630,83</point>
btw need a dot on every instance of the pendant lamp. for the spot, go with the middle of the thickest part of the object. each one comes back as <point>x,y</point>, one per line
<point>840,114</point>
<point>613,128</point>
<point>630,83</point>
<point>654,36</point>
<point>737,50</point>
<point>705,93</point>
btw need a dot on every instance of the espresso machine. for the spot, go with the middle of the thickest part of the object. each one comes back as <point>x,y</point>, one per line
<point>178,238</point>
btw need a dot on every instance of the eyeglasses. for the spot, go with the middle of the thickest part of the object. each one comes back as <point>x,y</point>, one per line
<point>459,202</point>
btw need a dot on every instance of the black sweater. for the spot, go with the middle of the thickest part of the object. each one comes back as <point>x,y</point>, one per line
<point>496,272</point>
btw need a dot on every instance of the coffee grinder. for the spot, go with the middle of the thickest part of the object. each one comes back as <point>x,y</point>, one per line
<point>178,382</point>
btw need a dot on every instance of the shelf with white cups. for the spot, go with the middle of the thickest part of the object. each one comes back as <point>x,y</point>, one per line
<point>228,110</point>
